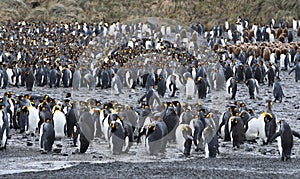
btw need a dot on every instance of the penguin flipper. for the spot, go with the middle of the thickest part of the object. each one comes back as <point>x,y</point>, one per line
<point>296,134</point>
<point>277,134</point>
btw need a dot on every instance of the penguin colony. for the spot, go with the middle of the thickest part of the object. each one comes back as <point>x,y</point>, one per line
<point>47,55</point>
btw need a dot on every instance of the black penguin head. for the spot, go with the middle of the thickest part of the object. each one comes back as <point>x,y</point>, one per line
<point>151,128</point>
<point>267,117</point>
<point>233,120</point>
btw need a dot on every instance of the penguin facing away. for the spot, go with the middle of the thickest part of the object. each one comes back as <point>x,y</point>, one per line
<point>277,92</point>
<point>285,142</point>
<point>47,135</point>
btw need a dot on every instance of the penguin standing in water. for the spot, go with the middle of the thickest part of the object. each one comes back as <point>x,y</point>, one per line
<point>252,85</point>
<point>3,127</point>
<point>285,142</point>
<point>29,81</point>
<point>277,91</point>
<point>231,87</point>
<point>47,136</point>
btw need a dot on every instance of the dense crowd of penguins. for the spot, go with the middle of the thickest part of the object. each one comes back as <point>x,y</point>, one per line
<point>118,56</point>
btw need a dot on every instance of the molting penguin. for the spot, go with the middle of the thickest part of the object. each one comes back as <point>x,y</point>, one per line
<point>277,92</point>
<point>285,142</point>
<point>47,135</point>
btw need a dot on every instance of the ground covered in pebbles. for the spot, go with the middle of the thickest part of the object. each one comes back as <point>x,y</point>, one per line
<point>23,159</point>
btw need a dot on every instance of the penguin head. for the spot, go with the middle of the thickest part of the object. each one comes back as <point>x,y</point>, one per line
<point>151,128</point>
<point>233,120</point>
<point>267,117</point>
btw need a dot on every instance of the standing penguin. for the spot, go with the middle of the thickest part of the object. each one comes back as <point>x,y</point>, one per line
<point>171,85</point>
<point>161,86</point>
<point>47,135</point>
<point>59,122</point>
<point>29,81</point>
<point>76,80</point>
<point>277,91</point>
<point>172,121</point>
<point>231,87</point>
<point>33,120</point>
<point>86,128</point>
<point>202,87</point>
<point>184,139</point>
<point>285,142</point>
<point>116,84</point>
<point>156,135</point>
<point>190,88</point>
<point>252,85</point>
<point>117,136</point>
<point>270,75</point>
<point>90,81</point>
<point>66,77</point>
<point>3,127</point>
<point>237,131</point>
<point>297,71</point>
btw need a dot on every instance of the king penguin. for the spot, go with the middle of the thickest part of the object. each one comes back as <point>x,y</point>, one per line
<point>277,91</point>
<point>285,142</point>
<point>47,135</point>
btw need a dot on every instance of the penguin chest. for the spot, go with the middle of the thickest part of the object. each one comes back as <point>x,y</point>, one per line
<point>59,121</point>
<point>33,119</point>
